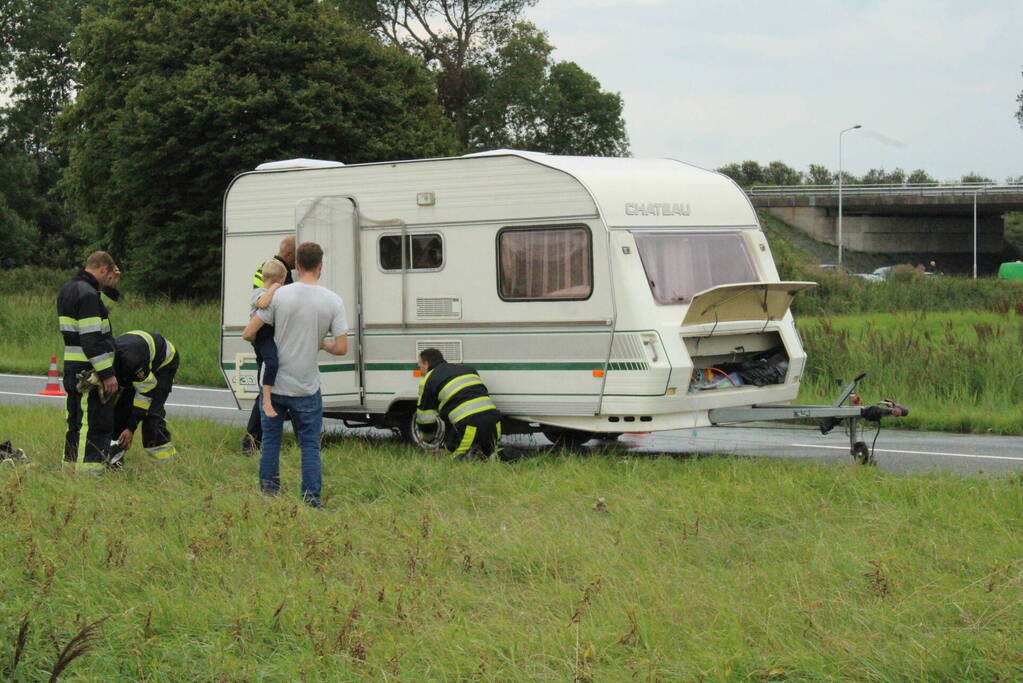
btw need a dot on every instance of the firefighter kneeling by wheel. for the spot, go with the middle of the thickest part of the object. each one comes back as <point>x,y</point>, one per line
<point>454,405</point>
<point>145,364</point>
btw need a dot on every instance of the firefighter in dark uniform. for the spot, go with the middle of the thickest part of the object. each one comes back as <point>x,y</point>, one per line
<point>88,346</point>
<point>254,429</point>
<point>457,395</point>
<point>146,363</point>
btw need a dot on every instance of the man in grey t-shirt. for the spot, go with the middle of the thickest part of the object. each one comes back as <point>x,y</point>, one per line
<point>302,313</point>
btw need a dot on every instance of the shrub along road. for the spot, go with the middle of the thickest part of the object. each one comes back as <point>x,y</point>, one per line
<point>896,450</point>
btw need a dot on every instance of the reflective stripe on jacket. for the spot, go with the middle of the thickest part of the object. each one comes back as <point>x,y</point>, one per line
<point>452,392</point>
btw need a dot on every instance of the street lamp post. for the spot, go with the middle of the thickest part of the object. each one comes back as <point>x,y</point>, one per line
<point>840,189</point>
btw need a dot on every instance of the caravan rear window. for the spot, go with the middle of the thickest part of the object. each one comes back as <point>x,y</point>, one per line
<point>422,252</point>
<point>544,264</point>
<point>679,265</point>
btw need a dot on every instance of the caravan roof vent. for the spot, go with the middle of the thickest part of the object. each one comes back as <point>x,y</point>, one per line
<point>292,164</point>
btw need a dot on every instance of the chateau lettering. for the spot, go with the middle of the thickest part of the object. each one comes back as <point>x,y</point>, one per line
<point>656,209</point>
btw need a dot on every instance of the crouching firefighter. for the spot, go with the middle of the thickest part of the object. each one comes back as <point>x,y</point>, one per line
<point>145,364</point>
<point>456,395</point>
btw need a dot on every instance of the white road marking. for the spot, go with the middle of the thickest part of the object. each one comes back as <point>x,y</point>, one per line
<point>184,405</point>
<point>172,405</point>
<point>191,388</point>
<point>890,450</point>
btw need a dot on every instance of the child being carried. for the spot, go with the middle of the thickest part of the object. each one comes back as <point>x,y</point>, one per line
<point>266,349</point>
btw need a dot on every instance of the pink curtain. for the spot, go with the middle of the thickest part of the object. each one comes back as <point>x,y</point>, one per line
<point>679,265</point>
<point>545,264</point>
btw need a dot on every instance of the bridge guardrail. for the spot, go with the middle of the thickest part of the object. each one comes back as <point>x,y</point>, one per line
<point>907,189</point>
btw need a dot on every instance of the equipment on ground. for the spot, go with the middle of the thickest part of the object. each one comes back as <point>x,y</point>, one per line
<point>12,456</point>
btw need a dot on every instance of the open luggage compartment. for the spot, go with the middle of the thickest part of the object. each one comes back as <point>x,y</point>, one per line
<point>736,360</point>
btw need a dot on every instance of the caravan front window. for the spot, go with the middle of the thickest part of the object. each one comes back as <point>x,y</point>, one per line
<point>679,265</point>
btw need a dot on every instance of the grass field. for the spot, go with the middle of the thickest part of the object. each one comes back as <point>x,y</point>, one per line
<point>556,567</point>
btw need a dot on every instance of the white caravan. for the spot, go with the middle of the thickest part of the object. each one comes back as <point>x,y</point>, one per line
<point>594,296</point>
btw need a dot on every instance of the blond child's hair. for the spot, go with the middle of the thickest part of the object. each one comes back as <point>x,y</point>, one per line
<point>273,270</point>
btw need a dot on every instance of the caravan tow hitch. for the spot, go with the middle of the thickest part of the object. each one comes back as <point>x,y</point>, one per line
<point>829,417</point>
<point>859,450</point>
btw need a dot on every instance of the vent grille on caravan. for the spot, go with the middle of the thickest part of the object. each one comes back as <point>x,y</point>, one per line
<point>451,348</point>
<point>627,353</point>
<point>446,307</point>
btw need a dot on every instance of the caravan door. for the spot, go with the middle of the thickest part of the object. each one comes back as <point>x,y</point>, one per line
<point>333,223</point>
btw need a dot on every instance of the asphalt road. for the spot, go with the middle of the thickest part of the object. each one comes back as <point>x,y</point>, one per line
<point>896,451</point>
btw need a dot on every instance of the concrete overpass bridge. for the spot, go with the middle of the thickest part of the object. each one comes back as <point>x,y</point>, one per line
<point>931,218</point>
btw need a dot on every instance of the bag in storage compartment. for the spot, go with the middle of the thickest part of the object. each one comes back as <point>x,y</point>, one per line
<point>765,369</point>
<point>756,369</point>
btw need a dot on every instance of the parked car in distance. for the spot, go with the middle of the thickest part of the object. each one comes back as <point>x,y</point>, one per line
<point>885,272</point>
<point>835,268</point>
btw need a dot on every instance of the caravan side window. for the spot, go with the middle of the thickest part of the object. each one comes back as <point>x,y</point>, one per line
<point>422,252</point>
<point>545,264</point>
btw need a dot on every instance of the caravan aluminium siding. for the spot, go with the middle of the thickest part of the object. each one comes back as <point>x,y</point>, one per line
<point>474,198</point>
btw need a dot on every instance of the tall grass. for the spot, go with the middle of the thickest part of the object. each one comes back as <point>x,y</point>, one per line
<point>906,291</point>
<point>959,371</point>
<point>604,567</point>
<point>29,334</point>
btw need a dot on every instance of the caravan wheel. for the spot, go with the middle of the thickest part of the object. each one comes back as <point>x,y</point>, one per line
<point>405,420</point>
<point>567,438</point>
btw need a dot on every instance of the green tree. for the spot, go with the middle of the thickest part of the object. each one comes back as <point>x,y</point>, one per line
<point>745,174</point>
<point>493,69</point>
<point>972,177</point>
<point>17,207</point>
<point>732,170</point>
<point>780,173</point>
<point>39,73</point>
<point>179,96</point>
<point>820,175</point>
<point>920,176</point>
<point>534,103</point>
<point>452,37</point>
<point>1019,112</point>
<point>879,176</point>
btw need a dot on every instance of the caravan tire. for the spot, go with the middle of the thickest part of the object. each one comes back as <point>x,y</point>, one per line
<point>405,419</point>
<point>402,419</point>
<point>568,439</point>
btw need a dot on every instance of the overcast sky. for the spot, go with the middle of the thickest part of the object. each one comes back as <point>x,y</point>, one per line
<point>934,84</point>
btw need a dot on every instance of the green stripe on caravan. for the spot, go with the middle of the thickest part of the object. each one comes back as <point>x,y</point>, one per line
<point>524,365</point>
<point>412,366</point>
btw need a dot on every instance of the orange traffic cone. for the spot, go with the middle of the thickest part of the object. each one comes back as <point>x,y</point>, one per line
<point>52,381</point>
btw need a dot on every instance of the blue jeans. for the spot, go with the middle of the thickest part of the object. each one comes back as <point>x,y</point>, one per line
<point>306,413</point>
